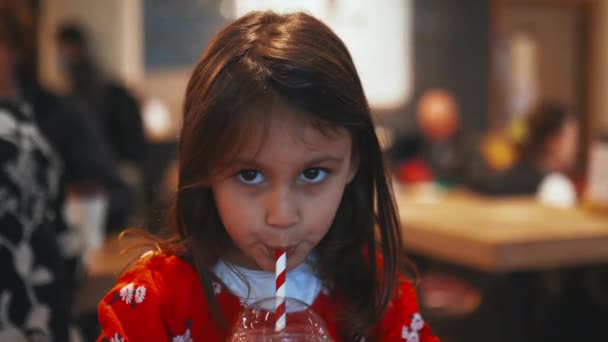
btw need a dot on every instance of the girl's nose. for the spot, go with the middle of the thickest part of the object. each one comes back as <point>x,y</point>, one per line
<point>282,209</point>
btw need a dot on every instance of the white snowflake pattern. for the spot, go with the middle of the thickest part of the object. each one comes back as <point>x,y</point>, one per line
<point>126,293</point>
<point>409,336</point>
<point>217,288</point>
<point>183,338</point>
<point>140,294</point>
<point>117,338</point>
<point>416,324</point>
<point>243,302</point>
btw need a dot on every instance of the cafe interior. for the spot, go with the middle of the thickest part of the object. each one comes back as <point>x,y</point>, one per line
<point>491,113</point>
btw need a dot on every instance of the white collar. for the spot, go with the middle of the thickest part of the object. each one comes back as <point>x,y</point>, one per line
<point>252,285</point>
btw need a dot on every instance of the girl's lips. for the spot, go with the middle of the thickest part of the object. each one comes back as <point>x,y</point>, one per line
<point>289,250</point>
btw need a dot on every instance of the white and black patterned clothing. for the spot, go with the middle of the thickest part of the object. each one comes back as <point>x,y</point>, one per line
<point>35,296</point>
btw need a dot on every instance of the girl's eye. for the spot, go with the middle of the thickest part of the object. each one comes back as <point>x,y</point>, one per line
<point>313,175</point>
<point>250,177</point>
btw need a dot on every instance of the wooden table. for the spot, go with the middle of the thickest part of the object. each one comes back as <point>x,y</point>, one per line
<point>501,247</point>
<point>501,234</point>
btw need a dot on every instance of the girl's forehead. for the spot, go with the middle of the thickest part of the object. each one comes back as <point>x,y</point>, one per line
<point>300,133</point>
<point>276,116</point>
<point>279,123</point>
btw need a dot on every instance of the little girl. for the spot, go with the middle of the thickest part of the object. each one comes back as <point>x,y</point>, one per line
<point>277,150</point>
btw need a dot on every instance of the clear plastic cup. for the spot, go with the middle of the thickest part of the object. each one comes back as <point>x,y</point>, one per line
<point>257,323</point>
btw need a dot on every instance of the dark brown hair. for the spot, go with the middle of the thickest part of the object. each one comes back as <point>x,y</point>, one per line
<point>299,60</point>
<point>16,31</point>
<point>16,24</point>
<point>544,121</point>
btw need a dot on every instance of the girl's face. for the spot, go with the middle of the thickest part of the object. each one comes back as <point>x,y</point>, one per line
<point>282,190</point>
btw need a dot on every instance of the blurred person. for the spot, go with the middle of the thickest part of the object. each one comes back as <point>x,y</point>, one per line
<point>117,110</point>
<point>550,146</point>
<point>112,108</point>
<point>87,165</point>
<point>436,153</point>
<point>35,292</point>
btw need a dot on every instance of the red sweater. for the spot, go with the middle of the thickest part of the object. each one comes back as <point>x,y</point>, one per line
<point>162,299</point>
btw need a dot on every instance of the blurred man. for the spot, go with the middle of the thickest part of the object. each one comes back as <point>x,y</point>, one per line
<point>113,110</point>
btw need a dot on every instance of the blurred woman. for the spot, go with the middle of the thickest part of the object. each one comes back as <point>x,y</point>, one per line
<point>550,146</point>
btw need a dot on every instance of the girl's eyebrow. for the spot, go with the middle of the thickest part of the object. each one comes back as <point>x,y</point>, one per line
<point>324,159</point>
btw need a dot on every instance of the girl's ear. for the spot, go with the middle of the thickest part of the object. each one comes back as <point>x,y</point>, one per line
<point>354,167</point>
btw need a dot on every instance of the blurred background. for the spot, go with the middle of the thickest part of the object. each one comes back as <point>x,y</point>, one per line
<point>492,113</point>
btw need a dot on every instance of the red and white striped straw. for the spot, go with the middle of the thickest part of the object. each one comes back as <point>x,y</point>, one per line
<point>280,275</point>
